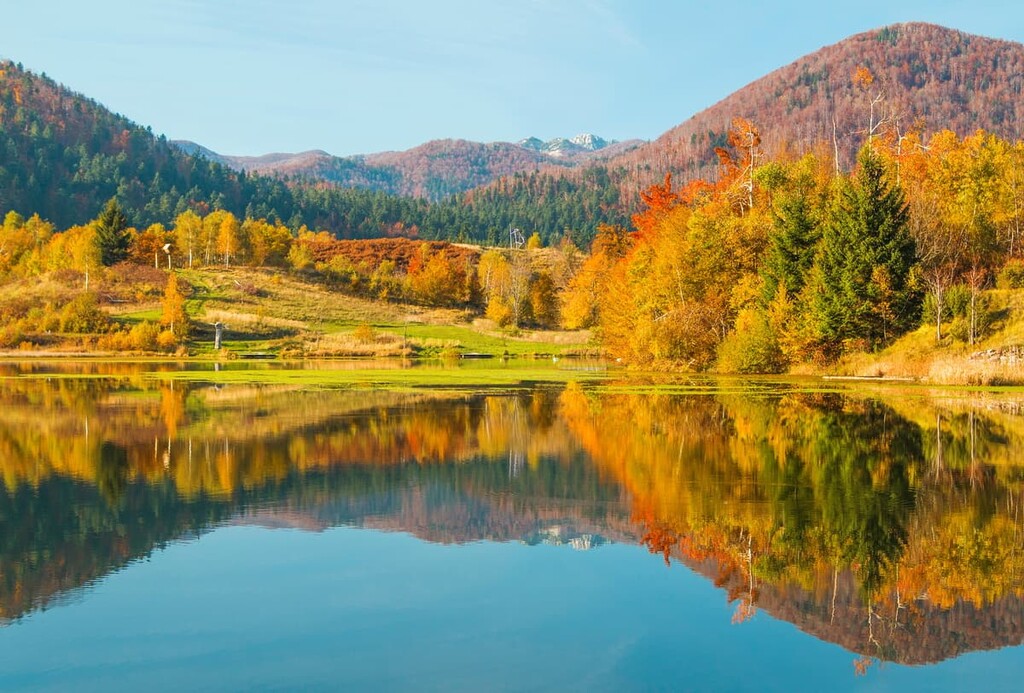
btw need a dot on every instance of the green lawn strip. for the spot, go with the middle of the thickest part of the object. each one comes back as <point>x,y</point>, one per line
<point>137,316</point>
<point>407,378</point>
<point>472,341</point>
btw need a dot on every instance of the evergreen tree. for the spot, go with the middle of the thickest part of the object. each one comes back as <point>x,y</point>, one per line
<point>112,234</point>
<point>864,263</point>
<point>791,247</point>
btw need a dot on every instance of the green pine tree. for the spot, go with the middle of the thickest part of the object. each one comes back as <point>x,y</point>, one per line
<point>112,233</point>
<point>791,247</point>
<point>865,293</point>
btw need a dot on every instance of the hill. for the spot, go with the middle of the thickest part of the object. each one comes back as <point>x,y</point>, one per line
<point>432,171</point>
<point>924,76</point>
<point>63,155</point>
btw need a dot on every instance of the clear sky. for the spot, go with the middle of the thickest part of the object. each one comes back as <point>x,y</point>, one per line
<point>359,76</point>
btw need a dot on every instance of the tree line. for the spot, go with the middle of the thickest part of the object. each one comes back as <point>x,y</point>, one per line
<point>789,260</point>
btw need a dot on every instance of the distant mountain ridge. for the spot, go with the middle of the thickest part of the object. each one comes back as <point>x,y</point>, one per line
<point>63,155</point>
<point>432,170</point>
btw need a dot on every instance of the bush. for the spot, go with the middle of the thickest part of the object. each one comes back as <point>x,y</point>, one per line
<point>1012,275</point>
<point>115,341</point>
<point>82,315</point>
<point>365,333</point>
<point>752,347</point>
<point>10,337</point>
<point>166,341</point>
<point>300,257</point>
<point>144,336</point>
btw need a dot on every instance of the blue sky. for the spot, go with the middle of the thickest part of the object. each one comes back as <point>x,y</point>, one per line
<point>358,76</point>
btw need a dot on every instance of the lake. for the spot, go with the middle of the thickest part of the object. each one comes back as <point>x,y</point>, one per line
<point>169,526</point>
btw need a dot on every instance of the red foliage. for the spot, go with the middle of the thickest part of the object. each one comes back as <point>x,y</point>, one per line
<point>404,252</point>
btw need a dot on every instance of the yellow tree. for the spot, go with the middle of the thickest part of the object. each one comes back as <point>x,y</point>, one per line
<point>148,245</point>
<point>228,237</point>
<point>543,300</point>
<point>187,228</point>
<point>583,297</point>
<point>267,243</point>
<point>495,274</point>
<point>435,280</point>
<point>174,315</point>
<point>209,234</point>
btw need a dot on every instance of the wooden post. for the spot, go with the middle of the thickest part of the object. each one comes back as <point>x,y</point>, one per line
<point>219,327</point>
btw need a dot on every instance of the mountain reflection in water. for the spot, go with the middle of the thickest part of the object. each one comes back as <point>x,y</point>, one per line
<point>892,528</point>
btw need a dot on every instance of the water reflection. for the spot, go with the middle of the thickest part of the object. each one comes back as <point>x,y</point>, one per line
<point>890,527</point>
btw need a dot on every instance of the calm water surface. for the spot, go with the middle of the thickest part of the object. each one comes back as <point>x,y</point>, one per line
<point>175,535</point>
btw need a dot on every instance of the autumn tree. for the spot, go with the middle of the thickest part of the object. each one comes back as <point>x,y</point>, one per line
<point>940,243</point>
<point>210,233</point>
<point>228,237</point>
<point>584,294</point>
<point>23,243</point>
<point>148,245</point>
<point>267,243</point>
<point>187,228</point>
<point>658,200</point>
<point>864,81</point>
<point>174,316</point>
<point>543,301</point>
<point>745,138</point>
<point>435,279</point>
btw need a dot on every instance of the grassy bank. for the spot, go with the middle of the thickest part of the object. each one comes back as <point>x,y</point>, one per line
<point>995,358</point>
<point>274,314</point>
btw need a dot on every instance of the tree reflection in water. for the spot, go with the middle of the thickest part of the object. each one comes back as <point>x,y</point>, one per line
<point>890,527</point>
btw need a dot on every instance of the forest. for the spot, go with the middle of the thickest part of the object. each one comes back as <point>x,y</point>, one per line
<point>779,261</point>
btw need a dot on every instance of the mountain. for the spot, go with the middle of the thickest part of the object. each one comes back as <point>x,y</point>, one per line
<point>433,170</point>
<point>193,149</point>
<point>63,155</point>
<point>924,76</point>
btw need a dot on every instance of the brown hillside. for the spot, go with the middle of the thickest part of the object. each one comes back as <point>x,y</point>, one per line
<point>443,167</point>
<point>432,170</point>
<point>926,75</point>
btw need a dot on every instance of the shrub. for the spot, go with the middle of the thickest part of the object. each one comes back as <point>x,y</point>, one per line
<point>166,341</point>
<point>115,341</point>
<point>300,257</point>
<point>82,315</point>
<point>10,337</point>
<point>753,347</point>
<point>1012,275</point>
<point>365,333</point>
<point>144,336</point>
